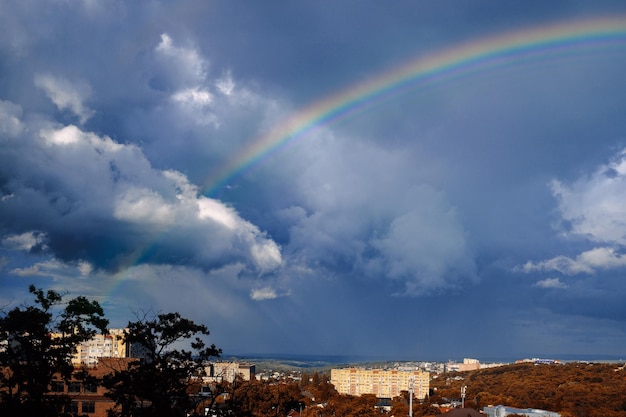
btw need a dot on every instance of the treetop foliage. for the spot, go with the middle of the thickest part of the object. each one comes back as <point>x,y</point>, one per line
<point>38,340</point>
<point>162,377</point>
<point>572,389</point>
<point>36,346</point>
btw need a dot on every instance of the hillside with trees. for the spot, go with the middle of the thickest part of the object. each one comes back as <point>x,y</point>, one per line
<point>572,389</point>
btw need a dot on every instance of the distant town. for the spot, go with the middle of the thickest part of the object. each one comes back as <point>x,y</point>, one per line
<point>384,380</point>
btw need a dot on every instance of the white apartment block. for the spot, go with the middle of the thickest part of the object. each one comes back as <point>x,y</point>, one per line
<point>229,371</point>
<point>101,346</point>
<point>383,383</point>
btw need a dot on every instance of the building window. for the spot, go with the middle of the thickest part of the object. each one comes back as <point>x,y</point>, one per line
<point>72,408</point>
<point>89,407</point>
<point>90,388</point>
<point>57,386</point>
<point>73,387</point>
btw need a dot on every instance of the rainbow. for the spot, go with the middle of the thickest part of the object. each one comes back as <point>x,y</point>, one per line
<point>494,51</point>
<point>464,59</point>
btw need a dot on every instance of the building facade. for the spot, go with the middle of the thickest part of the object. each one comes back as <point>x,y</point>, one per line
<point>384,383</point>
<point>229,371</point>
<point>469,365</point>
<point>110,345</point>
<point>87,398</point>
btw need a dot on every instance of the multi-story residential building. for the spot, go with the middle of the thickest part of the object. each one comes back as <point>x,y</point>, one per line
<point>87,398</point>
<point>469,365</point>
<point>228,371</point>
<point>111,345</point>
<point>384,383</point>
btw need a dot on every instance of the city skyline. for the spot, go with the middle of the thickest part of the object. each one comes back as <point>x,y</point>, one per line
<point>412,181</point>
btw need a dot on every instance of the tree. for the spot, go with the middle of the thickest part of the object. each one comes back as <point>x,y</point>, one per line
<point>37,342</point>
<point>159,380</point>
<point>323,389</point>
<point>262,399</point>
<point>349,406</point>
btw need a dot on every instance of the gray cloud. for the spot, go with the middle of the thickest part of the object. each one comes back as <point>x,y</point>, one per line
<point>417,241</point>
<point>101,201</point>
<point>66,95</point>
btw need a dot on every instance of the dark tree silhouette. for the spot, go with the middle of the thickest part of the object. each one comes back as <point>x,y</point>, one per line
<point>157,383</point>
<point>37,342</point>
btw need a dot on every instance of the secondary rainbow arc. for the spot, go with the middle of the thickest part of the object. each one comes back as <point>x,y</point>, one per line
<point>465,57</point>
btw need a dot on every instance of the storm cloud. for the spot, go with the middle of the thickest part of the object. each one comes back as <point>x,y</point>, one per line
<point>485,202</point>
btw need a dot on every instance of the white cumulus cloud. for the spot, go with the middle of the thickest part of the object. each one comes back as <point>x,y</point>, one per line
<point>595,205</point>
<point>267,293</point>
<point>101,203</point>
<point>24,241</point>
<point>66,95</point>
<point>263,294</point>
<point>587,262</point>
<point>550,283</point>
<point>185,63</point>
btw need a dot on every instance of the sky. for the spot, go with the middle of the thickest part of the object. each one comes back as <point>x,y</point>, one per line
<point>407,180</point>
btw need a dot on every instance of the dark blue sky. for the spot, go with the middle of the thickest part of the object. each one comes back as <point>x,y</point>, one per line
<point>483,215</point>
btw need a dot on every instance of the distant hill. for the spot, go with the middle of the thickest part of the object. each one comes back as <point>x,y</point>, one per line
<point>292,362</point>
<point>287,363</point>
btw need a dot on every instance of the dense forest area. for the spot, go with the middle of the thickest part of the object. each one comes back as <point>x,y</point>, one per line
<point>572,389</point>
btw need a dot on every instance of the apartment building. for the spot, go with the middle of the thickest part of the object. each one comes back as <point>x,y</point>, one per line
<point>87,398</point>
<point>228,371</point>
<point>384,383</point>
<point>110,345</point>
<point>469,365</point>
